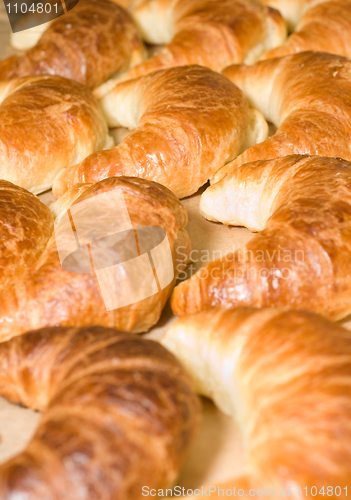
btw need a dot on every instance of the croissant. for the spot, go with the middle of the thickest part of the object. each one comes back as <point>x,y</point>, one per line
<point>284,377</point>
<point>301,257</point>
<point>30,34</point>
<point>292,10</point>
<point>47,123</point>
<point>239,30</point>
<point>96,268</point>
<point>326,27</point>
<point>188,122</point>
<point>91,43</point>
<point>119,414</point>
<point>306,96</point>
<point>26,225</point>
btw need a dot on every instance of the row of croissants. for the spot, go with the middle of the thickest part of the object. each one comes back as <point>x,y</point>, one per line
<point>257,333</point>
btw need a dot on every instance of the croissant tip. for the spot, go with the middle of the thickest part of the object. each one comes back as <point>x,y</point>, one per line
<point>178,302</point>
<point>186,297</point>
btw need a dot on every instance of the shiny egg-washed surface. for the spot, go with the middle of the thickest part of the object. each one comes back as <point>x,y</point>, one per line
<point>187,123</point>
<point>305,95</point>
<point>119,413</point>
<point>26,226</point>
<point>325,27</point>
<point>285,377</point>
<point>93,42</point>
<point>211,33</point>
<point>47,123</point>
<point>48,295</point>
<point>300,258</point>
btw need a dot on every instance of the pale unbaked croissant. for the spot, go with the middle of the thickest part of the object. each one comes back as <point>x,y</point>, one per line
<point>47,123</point>
<point>189,122</point>
<point>285,377</point>
<point>211,33</point>
<point>72,294</point>
<point>301,257</point>
<point>119,414</point>
<point>26,225</point>
<point>305,95</point>
<point>326,27</point>
<point>91,43</point>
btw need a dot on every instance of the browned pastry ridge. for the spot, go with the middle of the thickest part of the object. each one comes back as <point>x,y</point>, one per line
<point>48,294</point>
<point>188,122</point>
<point>285,378</point>
<point>47,123</point>
<point>300,258</point>
<point>119,414</point>
<point>305,95</point>
<point>325,27</point>
<point>211,33</point>
<point>26,225</point>
<point>94,41</point>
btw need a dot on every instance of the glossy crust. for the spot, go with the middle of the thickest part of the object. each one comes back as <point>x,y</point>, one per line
<point>26,225</point>
<point>89,44</point>
<point>301,257</point>
<point>47,295</point>
<point>188,122</point>
<point>211,33</point>
<point>119,414</point>
<point>325,27</point>
<point>47,123</point>
<point>284,376</point>
<point>305,95</point>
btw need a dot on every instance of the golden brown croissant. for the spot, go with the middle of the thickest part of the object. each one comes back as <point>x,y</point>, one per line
<point>80,283</point>
<point>189,122</point>
<point>29,34</point>
<point>305,95</point>
<point>301,257</point>
<point>284,377</point>
<point>119,414</point>
<point>89,44</point>
<point>326,27</point>
<point>47,123</point>
<point>26,225</point>
<point>211,33</point>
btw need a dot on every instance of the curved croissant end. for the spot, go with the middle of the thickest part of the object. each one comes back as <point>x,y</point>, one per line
<point>188,122</point>
<point>285,378</point>
<point>119,414</point>
<point>109,278</point>
<point>47,123</point>
<point>192,28</point>
<point>300,259</point>
<point>89,44</point>
<point>306,96</point>
<point>325,27</point>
